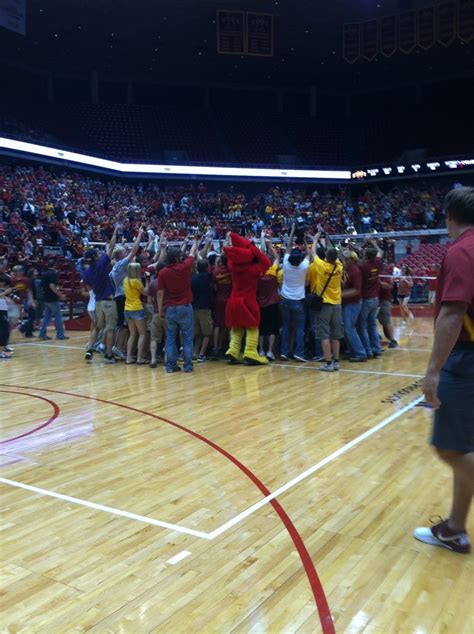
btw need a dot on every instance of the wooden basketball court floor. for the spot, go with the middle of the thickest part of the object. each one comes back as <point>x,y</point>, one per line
<point>233,499</point>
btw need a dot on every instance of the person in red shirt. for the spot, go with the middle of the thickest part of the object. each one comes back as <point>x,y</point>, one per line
<point>385,312</point>
<point>351,307</point>
<point>222,290</point>
<point>449,381</point>
<point>370,268</point>
<point>175,299</point>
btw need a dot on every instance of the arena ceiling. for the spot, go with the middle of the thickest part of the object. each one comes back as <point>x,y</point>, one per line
<point>175,40</point>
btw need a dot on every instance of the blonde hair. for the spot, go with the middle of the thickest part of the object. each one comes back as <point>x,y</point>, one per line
<point>134,271</point>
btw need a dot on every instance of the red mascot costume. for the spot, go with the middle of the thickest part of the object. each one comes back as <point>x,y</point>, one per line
<point>246,264</point>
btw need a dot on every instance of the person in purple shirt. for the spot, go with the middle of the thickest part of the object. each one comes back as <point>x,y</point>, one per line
<point>97,278</point>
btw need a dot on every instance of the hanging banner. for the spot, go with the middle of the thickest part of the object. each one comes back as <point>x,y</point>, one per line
<point>351,42</point>
<point>388,35</point>
<point>425,27</point>
<point>259,34</point>
<point>231,32</point>
<point>446,22</point>
<point>370,40</point>
<point>406,31</point>
<point>466,20</point>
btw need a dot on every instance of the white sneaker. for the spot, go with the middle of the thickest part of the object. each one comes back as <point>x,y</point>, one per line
<point>261,353</point>
<point>118,353</point>
<point>270,356</point>
<point>298,358</point>
<point>327,367</point>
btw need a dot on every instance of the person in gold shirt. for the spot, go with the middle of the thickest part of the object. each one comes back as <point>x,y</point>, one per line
<point>324,279</point>
<point>135,312</point>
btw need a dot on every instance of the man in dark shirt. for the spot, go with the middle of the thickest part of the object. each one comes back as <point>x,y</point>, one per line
<point>449,382</point>
<point>175,299</point>
<point>97,278</point>
<point>52,306</point>
<point>370,268</point>
<point>202,287</point>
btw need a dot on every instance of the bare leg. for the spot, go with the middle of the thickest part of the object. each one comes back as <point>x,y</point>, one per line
<point>271,342</point>
<point>336,345</point>
<point>109,342</point>
<point>141,327</point>
<point>327,350</point>
<point>122,339</point>
<point>131,340</point>
<point>197,344</point>
<point>260,343</point>
<point>153,349</point>
<point>205,343</point>
<point>463,486</point>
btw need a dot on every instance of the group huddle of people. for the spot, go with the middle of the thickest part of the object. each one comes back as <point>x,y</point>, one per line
<point>302,302</point>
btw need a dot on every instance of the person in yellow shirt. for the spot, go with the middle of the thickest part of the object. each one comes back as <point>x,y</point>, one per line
<point>134,311</point>
<point>325,280</point>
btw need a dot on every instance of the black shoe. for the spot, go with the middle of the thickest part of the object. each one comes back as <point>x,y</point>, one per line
<point>284,357</point>
<point>45,338</point>
<point>88,355</point>
<point>175,369</point>
<point>378,354</point>
<point>357,359</point>
<point>62,338</point>
<point>152,365</point>
<point>108,359</point>
<point>393,344</point>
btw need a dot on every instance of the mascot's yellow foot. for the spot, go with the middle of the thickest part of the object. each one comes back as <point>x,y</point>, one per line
<point>234,354</point>
<point>232,358</point>
<point>253,358</point>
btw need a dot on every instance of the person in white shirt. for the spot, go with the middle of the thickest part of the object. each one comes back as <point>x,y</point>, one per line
<point>295,268</point>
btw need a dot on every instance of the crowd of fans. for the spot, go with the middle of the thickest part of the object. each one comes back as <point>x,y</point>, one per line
<point>40,207</point>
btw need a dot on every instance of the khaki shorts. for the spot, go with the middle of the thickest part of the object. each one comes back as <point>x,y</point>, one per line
<point>148,308</point>
<point>203,323</point>
<point>328,322</point>
<point>385,313</point>
<point>106,314</point>
<point>157,328</point>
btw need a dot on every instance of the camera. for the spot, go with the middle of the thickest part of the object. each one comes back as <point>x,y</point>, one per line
<point>300,229</point>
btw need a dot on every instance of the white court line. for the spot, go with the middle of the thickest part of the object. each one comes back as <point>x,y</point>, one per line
<point>335,454</point>
<point>305,366</point>
<point>41,343</point>
<point>53,345</point>
<point>107,509</point>
<point>179,557</point>
<point>414,349</point>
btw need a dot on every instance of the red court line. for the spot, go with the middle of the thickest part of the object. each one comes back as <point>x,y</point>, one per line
<point>308,565</point>
<point>56,412</point>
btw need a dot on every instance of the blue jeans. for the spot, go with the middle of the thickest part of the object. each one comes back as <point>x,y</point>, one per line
<point>52,310</point>
<point>179,318</point>
<point>368,326</point>
<point>292,308</point>
<point>350,315</point>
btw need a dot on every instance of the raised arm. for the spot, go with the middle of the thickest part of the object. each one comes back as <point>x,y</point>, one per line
<point>289,246</point>
<point>136,246</point>
<point>194,247</point>
<point>111,245</point>
<point>374,243</point>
